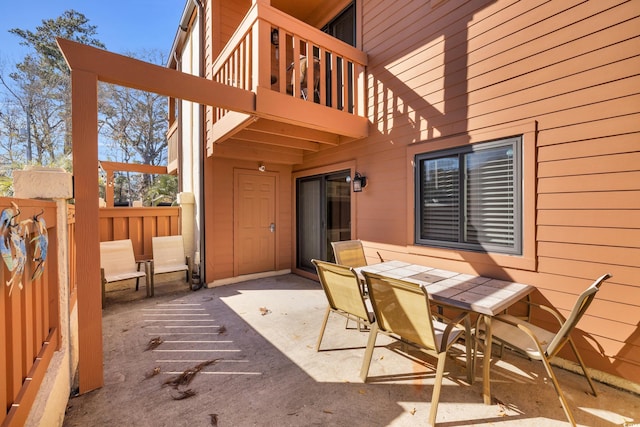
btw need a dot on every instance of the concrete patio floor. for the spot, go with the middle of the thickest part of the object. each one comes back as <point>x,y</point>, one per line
<point>260,336</point>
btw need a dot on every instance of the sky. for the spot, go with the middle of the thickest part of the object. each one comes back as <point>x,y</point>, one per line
<point>122,25</point>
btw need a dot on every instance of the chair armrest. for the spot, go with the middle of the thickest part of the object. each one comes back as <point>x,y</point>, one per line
<point>548,309</point>
<point>452,324</point>
<point>525,329</point>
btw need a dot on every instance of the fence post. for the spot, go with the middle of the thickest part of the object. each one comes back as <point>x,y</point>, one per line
<point>55,184</point>
<point>187,217</point>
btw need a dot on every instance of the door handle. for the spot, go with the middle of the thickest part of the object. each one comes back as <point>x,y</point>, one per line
<point>272,227</point>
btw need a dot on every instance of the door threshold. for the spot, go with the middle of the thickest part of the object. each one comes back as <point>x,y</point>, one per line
<point>245,277</point>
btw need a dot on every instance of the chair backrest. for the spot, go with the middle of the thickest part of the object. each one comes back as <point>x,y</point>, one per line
<point>349,253</point>
<point>579,308</point>
<point>117,257</point>
<point>342,287</point>
<point>304,67</point>
<point>168,250</point>
<point>402,308</point>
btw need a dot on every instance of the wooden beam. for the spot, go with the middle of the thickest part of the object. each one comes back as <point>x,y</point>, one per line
<point>293,131</point>
<point>289,109</point>
<point>235,149</point>
<point>84,120</point>
<point>230,124</point>
<point>128,72</point>
<point>277,140</point>
<point>133,167</point>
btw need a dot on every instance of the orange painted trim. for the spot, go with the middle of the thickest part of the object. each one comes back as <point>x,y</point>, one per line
<point>125,71</point>
<point>84,98</point>
<point>21,407</point>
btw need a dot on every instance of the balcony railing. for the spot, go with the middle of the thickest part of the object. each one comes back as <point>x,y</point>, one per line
<point>172,149</point>
<point>252,62</point>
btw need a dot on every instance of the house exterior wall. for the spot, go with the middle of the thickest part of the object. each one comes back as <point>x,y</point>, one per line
<point>446,74</point>
<point>563,74</point>
<point>220,213</point>
<point>191,128</point>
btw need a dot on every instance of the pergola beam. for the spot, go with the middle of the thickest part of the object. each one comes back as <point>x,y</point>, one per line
<point>89,65</point>
<point>129,72</point>
<point>110,167</point>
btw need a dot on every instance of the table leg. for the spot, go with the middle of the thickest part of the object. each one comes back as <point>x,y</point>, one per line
<point>470,356</point>
<point>486,362</point>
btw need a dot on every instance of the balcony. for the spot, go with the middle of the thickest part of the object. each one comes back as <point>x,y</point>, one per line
<point>298,108</point>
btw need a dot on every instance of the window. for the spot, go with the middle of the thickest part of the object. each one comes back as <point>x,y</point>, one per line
<point>343,26</point>
<point>471,197</point>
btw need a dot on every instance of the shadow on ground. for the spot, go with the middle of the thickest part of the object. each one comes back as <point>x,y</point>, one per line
<point>259,338</point>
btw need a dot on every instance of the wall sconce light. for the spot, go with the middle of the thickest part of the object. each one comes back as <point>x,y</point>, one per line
<point>359,182</point>
<point>275,39</point>
<point>262,167</point>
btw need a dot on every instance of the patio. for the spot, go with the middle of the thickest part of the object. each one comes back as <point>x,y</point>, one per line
<point>260,335</point>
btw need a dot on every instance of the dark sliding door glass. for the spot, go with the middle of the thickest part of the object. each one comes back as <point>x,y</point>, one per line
<point>323,215</point>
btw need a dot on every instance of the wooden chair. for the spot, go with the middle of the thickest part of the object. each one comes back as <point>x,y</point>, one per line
<point>118,263</point>
<point>341,285</point>
<point>169,257</point>
<point>540,344</point>
<point>403,312</point>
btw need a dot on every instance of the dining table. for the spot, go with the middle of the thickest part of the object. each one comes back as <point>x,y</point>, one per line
<point>482,295</point>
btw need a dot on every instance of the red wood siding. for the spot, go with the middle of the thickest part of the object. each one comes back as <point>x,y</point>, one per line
<point>219,201</point>
<point>467,70</point>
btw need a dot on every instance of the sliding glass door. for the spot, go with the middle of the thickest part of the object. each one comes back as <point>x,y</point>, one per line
<point>323,215</point>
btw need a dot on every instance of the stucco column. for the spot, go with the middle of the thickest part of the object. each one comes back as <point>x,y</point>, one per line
<point>187,202</point>
<point>54,184</point>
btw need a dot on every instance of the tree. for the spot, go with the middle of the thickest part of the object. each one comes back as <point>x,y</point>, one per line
<point>48,66</point>
<point>136,124</point>
<point>36,119</point>
<point>70,25</point>
<point>38,96</point>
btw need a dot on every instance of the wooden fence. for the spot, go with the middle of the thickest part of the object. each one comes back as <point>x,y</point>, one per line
<point>29,303</point>
<point>71,246</point>
<point>139,225</point>
<point>29,308</point>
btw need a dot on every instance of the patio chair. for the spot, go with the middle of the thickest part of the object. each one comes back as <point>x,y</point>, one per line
<point>341,285</point>
<point>349,253</point>
<point>403,312</point>
<point>118,263</point>
<point>169,257</point>
<point>302,84</point>
<point>540,344</point>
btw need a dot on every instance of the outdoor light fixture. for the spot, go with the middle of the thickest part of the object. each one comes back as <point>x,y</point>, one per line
<point>275,37</point>
<point>359,182</point>
<point>275,40</point>
<point>262,167</point>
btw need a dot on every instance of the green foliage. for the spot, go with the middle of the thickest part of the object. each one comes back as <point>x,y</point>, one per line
<point>70,25</point>
<point>163,190</point>
<point>35,123</point>
<point>6,186</point>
